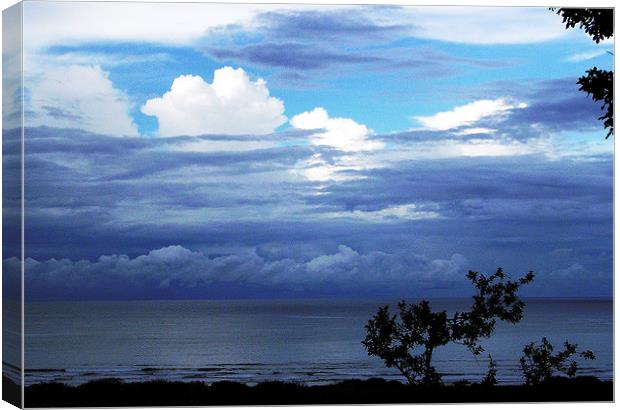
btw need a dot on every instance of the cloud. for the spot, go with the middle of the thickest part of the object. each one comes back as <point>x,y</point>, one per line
<point>521,188</point>
<point>176,270</point>
<point>12,73</point>
<point>352,142</point>
<point>340,133</point>
<point>175,267</point>
<point>468,114</point>
<point>484,25</point>
<point>145,195</point>
<point>390,214</point>
<point>470,25</point>
<point>102,57</point>
<point>577,279</point>
<point>186,23</point>
<point>76,177</point>
<point>549,117</point>
<point>343,36</point>
<point>587,55</point>
<point>560,106</point>
<point>318,169</point>
<point>290,55</point>
<point>477,146</point>
<point>231,104</point>
<point>164,23</point>
<point>353,24</point>
<point>79,96</point>
<point>475,131</point>
<point>480,129</point>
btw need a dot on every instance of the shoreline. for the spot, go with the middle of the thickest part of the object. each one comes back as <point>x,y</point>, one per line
<point>114,392</point>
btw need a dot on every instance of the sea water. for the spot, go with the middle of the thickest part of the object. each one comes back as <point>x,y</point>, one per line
<point>309,341</point>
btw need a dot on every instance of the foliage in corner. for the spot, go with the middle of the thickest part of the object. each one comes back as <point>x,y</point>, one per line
<point>539,363</point>
<point>598,24</point>
<point>407,341</point>
<point>600,85</point>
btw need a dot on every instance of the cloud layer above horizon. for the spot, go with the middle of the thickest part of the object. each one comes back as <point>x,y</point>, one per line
<point>309,151</point>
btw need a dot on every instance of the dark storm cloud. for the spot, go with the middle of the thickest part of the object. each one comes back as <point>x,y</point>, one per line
<point>557,105</point>
<point>87,193</point>
<point>482,187</point>
<point>91,195</point>
<point>254,161</point>
<point>562,112</point>
<point>178,267</point>
<point>11,196</point>
<point>517,209</point>
<point>113,158</point>
<point>180,271</point>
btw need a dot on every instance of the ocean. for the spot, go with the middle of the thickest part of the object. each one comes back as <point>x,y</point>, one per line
<point>308,341</point>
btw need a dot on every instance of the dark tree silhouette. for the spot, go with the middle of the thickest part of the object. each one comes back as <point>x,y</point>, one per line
<point>394,341</point>
<point>408,343</point>
<point>598,24</point>
<point>539,363</point>
<point>600,85</point>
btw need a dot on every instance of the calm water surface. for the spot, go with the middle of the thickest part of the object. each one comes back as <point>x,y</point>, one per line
<point>312,341</point>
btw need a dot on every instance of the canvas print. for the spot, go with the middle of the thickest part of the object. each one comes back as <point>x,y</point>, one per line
<point>232,204</point>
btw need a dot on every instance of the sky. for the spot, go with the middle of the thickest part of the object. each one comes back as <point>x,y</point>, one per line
<point>289,151</point>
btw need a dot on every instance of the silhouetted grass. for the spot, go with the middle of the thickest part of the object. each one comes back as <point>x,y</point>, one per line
<point>113,392</point>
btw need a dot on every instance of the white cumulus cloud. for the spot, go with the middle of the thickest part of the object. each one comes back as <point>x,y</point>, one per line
<point>468,114</point>
<point>79,96</point>
<point>341,133</point>
<point>232,104</point>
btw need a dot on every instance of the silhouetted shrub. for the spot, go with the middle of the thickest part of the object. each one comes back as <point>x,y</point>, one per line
<point>539,363</point>
<point>490,379</point>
